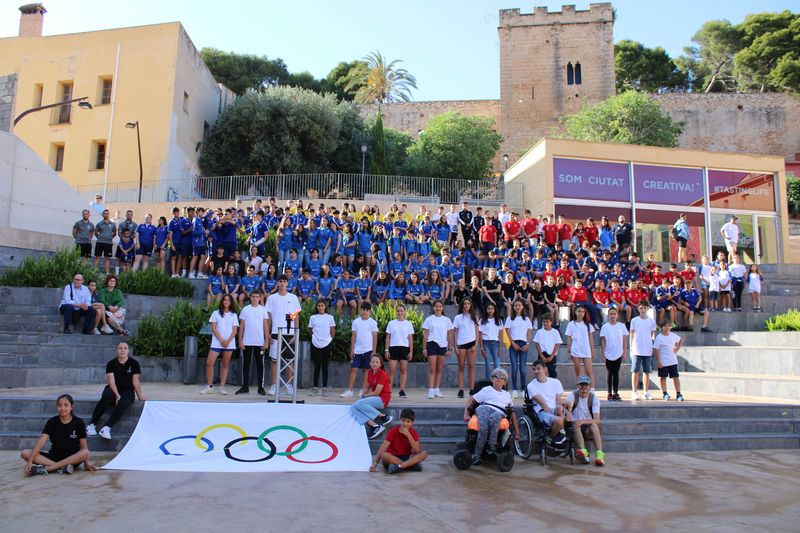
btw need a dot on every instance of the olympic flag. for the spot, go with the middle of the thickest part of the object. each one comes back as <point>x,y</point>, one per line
<point>244,437</point>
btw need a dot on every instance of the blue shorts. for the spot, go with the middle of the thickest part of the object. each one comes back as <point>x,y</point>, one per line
<point>230,247</point>
<point>434,349</point>
<point>198,250</point>
<point>361,360</point>
<point>144,250</point>
<point>642,364</point>
<point>185,249</point>
<point>546,418</point>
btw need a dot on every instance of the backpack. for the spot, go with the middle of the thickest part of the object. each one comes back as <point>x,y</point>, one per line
<point>674,233</point>
<point>589,402</point>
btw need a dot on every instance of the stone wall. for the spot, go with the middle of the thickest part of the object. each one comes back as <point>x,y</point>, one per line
<point>412,117</point>
<point>8,92</point>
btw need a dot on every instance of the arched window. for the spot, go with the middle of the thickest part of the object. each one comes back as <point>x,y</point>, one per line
<point>570,74</point>
<point>577,73</point>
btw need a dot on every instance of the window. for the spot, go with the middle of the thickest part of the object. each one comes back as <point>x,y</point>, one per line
<point>57,157</point>
<point>37,95</point>
<point>185,101</point>
<point>64,112</point>
<point>570,74</point>
<point>577,73</point>
<point>105,87</point>
<point>99,153</point>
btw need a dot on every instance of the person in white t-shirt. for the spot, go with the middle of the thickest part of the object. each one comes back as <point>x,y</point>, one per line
<point>547,396</point>
<point>519,328</point>
<point>465,330</point>
<point>665,349</point>
<point>399,346</point>
<point>280,306</point>
<point>491,331</point>
<point>548,342</point>
<point>323,329</point>
<point>730,232</point>
<point>363,345</point>
<point>585,408</point>
<point>437,340</point>
<point>614,343</point>
<point>252,342</point>
<point>580,343</point>
<point>489,405</point>
<point>641,344</point>
<point>224,326</point>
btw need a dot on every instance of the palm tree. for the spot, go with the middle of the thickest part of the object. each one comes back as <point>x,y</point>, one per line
<point>381,82</point>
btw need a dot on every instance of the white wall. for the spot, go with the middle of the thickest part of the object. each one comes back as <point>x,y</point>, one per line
<point>32,196</point>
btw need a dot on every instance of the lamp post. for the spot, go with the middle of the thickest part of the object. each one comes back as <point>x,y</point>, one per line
<point>82,103</point>
<point>502,184</point>
<point>363,157</point>
<point>135,125</point>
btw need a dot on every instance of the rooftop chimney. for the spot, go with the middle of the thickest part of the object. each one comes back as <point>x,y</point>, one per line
<point>31,20</point>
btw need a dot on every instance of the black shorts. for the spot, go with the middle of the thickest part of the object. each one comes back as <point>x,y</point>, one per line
<point>670,371</point>
<point>466,346</point>
<point>102,249</point>
<point>681,242</point>
<point>55,457</point>
<point>435,349</point>
<point>85,248</point>
<point>399,353</point>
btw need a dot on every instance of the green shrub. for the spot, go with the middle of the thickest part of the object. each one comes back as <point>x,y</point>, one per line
<point>51,271</point>
<point>793,193</point>
<point>788,321</point>
<point>163,335</point>
<point>307,308</point>
<point>153,282</point>
<point>340,351</point>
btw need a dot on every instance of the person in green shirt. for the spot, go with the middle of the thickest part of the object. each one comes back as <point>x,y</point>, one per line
<point>111,297</point>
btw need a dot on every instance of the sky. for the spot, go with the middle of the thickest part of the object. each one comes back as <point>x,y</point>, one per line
<point>451,46</point>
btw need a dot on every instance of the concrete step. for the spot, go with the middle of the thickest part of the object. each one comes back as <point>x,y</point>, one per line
<point>777,339</point>
<point>760,385</point>
<point>11,440</point>
<point>761,360</point>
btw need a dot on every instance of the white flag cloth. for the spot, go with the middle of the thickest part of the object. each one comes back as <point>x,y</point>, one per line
<point>245,437</point>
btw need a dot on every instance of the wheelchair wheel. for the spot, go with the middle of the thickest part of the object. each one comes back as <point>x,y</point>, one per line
<point>571,455</point>
<point>543,455</point>
<point>524,446</point>
<point>462,459</point>
<point>505,461</point>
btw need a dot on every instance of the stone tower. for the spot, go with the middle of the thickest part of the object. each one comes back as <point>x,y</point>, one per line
<point>551,64</point>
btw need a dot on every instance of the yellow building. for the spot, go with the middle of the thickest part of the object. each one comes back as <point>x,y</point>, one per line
<point>651,187</point>
<point>150,75</point>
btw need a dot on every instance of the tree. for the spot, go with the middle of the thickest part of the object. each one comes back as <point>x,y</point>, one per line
<point>455,146</point>
<point>709,65</point>
<point>283,130</point>
<point>397,145</point>
<point>628,118</point>
<point>646,69</point>
<point>770,56</point>
<point>378,163</point>
<point>341,75</point>
<point>304,80</point>
<point>240,72</point>
<point>382,81</point>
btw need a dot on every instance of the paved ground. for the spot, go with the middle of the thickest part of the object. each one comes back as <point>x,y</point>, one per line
<point>172,391</point>
<point>716,491</point>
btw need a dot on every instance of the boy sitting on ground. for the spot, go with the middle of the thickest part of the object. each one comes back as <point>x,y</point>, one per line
<point>401,450</point>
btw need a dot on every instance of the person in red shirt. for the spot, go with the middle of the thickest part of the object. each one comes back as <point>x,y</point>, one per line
<point>657,276</point>
<point>579,296</point>
<point>688,273</point>
<point>564,294</point>
<point>565,271</point>
<point>512,228</point>
<point>400,449</point>
<point>530,227</point>
<point>564,232</point>
<point>549,233</point>
<point>617,300</point>
<point>488,237</point>
<point>366,410</point>
<point>591,232</point>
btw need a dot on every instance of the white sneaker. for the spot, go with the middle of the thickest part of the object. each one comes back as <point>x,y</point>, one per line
<point>346,394</point>
<point>183,273</point>
<point>431,394</point>
<point>106,329</point>
<point>105,433</point>
<point>200,275</point>
<point>514,395</point>
<point>222,391</point>
<point>360,394</point>
<point>192,275</point>
<point>272,389</point>
<point>290,390</point>
<point>95,331</point>
<point>648,396</point>
<point>91,430</point>
<point>438,393</point>
<point>208,390</point>
<point>634,396</point>
<point>314,392</point>
<point>324,392</point>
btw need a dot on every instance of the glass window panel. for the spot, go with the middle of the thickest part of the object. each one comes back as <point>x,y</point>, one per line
<point>746,246</point>
<point>768,239</point>
<point>654,230</point>
<point>741,190</point>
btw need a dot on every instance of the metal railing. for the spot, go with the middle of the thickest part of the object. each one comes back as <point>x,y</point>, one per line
<point>330,186</point>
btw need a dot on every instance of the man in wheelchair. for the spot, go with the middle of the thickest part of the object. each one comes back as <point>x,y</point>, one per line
<point>487,414</point>
<point>546,395</point>
<point>585,408</point>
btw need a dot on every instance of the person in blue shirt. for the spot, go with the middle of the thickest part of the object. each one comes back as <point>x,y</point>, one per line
<point>424,247</point>
<point>380,289</point>
<point>199,246</point>
<point>409,245</point>
<point>285,234</point>
<point>337,267</point>
<point>325,285</point>
<point>397,265</point>
<point>363,286</point>
<point>145,242</point>
<point>293,261</point>
<point>314,263</point>
<point>161,243</point>
<point>258,233</point>
<point>291,281</point>
<point>435,287</point>
<point>364,237</point>
<point>693,305</point>
<point>306,287</point>
<point>125,250</point>
<point>185,230</point>
<point>442,232</point>
<point>346,293</point>
<point>337,239</point>
<point>663,295</point>
<point>176,261</point>
<point>312,243</point>
<point>231,281</point>
<point>325,242</point>
<point>249,284</point>
<point>226,231</point>
<point>415,290</point>
<point>349,245</point>
<point>395,244</point>
<point>299,242</point>
<point>216,288</point>
<point>397,289</point>
<point>269,281</point>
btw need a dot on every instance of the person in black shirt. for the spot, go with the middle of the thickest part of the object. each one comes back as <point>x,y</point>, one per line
<point>623,234</point>
<point>492,290</point>
<point>122,374</point>
<point>68,447</point>
<point>465,220</point>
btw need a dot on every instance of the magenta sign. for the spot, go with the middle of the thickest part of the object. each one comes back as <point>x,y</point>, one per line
<point>741,190</point>
<point>668,185</point>
<point>591,180</point>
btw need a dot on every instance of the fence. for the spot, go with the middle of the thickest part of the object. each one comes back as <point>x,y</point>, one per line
<point>332,186</point>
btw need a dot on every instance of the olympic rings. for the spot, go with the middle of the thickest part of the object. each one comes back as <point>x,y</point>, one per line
<point>270,449</point>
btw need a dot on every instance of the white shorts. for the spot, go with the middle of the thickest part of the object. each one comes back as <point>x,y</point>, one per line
<point>731,245</point>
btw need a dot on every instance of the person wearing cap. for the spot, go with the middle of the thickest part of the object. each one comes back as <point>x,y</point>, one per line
<point>680,230</point>
<point>585,408</point>
<point>730,232</point>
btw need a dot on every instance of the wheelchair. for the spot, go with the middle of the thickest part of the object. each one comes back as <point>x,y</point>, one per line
<point>533,441</point>
<point>501,452</point>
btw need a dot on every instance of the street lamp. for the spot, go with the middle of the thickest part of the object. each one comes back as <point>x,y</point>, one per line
<point>135,125</point>
<point>363,157</point>
<point>82,103</point>
<point>505,163</point>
